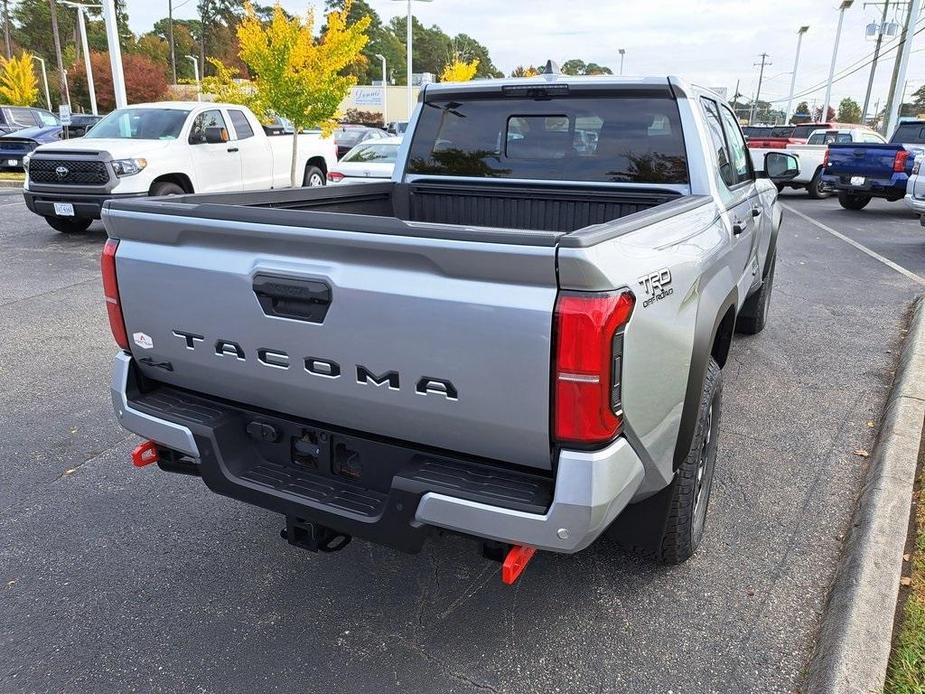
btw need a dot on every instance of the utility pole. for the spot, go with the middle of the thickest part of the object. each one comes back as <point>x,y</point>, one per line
<point>173,56</point>
<point>873,65</point>
<point>793,79</point>
<point>764,63</point>
<point>735,100</point>
<point>894,103</point>
<point>6,29</point>
<point>828,88</point>
<point>62,80</point>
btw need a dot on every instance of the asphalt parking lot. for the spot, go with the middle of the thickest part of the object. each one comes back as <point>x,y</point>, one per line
<point>114,579</point>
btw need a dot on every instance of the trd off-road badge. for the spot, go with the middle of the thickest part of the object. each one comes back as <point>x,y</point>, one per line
<point>656,286</point>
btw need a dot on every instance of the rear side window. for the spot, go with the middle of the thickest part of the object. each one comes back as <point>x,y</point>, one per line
<point>909,132</point>
<point>242,128</point>
<point>614,139</point>
<point>737,148</point>
<point>721,151</point>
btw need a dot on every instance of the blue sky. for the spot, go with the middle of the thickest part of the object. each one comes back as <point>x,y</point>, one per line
<point>713,43</point>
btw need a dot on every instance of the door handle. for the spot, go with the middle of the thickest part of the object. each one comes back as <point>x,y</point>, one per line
<point>738,226</point>
<point>298,299</point>
<point>756,212</point>
<point>232,149</point>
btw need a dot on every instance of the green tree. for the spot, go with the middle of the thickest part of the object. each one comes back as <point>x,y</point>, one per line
<point>219,19</point>
<point>801,114</point>
<point>184,31</point>
<point>18,84</point>
<point>576,66</point>
<point>467,48</point>
<point>849,111</point>
<point>918,99</point>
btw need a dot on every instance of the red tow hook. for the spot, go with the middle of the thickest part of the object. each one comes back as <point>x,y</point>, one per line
<point>515,562</point>
<point>145,453</point>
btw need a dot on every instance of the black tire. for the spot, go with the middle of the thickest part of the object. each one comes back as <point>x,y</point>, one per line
<point>669,526</point>
<point>314,177</point>
<point>853,201</point>
<point>166,188</point>
<point>69,226</point>
<point>754,314</point>
<point>816,189</point>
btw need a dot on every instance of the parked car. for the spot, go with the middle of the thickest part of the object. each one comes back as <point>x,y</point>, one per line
<point>777,137</point>
<point>80,124</point>
<point>812,155</point>
<point>349,136</point>
<point>862,171</point>
<point>165,148</point>
<point>397,127</point>
<point>13,118</point>
<point>513,340</point>
<point>373,159</point>
<point>915,189</point>
<point>15,146</point>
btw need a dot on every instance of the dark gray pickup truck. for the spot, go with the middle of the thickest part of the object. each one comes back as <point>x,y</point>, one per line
<point>520,338</point>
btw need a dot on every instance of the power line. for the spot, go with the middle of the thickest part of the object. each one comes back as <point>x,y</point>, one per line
<point>851,70</point>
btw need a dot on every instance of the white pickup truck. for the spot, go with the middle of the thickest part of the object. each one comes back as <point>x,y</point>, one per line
<point>812,156</point>
<point>166,148</point>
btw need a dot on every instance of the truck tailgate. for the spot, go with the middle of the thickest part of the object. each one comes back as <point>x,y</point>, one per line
<point>867,160</point>
<point>437,342</point>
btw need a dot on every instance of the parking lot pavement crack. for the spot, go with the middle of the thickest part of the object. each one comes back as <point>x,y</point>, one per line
<point>50,291</point>
<point>93,456</point>
<point>429,657</point>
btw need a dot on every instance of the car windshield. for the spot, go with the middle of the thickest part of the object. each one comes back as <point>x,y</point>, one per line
<point>140,124</point>
<point>348,135</point>
<point>378,153</point>
<point>626,139</point>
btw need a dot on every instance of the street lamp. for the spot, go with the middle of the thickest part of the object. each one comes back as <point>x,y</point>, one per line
<point>408,46</point>
<point>793,78</point>
<point>82,26</point>
<point>828,89</point>
<point>195,62</point>
<point>45,80</point>
<point>622,52</point>
<point>115,53</point>
<point>385,91</point>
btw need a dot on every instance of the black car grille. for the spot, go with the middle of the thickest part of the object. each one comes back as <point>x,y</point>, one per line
<point>79,173</point>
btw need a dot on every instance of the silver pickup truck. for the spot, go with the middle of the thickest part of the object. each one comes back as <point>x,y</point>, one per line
<point>520,338</point>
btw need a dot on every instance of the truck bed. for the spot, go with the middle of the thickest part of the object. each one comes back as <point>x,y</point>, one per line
<point>488,212</point>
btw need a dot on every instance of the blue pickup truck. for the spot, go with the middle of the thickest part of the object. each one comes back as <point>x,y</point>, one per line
<point>861,171</point>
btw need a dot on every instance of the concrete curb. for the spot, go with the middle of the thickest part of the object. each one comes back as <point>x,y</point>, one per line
<point>11,184</point>
<point>853,648</point>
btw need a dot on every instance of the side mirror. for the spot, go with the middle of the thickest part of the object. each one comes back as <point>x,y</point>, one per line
<point>216,136</point>
<point>779,166</point>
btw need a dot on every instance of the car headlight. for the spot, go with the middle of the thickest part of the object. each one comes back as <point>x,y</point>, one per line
<point>128,167</point>
<point>25,161</point>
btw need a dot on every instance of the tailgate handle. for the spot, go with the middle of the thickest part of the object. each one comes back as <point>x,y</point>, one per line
<point>296,299</point>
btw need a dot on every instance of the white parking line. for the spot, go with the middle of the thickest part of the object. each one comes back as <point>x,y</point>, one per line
<point>864,249</point>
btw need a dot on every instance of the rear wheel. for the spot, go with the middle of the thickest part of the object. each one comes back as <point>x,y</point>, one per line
<point>853,201</point>
<point>69,226</point>
<point>314,177</point>
<point>669,526</point>
<point>816,189</point>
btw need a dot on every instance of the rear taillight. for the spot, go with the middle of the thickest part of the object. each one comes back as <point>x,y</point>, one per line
<point>589,329</point>
<point>899,162</point>
<point>825,158</point>
<point>111,292</point>
<point>335,176</point>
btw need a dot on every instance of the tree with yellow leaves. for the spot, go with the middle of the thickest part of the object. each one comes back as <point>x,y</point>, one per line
<point>296,75</point>
<point>458,70</point>
<point>18,85</point>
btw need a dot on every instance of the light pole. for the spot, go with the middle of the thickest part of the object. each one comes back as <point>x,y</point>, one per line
<point>385,91</point>
<point>409,51</point>
<point>195,62</point>
<point>793,78</point>
<point>45,80</point>
<point>115,53</point>
<point>873,64</point>
<point>82,26</point>
<point>899,76</point>
<point>622,52</point>
<point>828,88</point>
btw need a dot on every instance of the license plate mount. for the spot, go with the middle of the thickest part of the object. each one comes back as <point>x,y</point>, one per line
<point>64,209</point>
<point>857,180</point>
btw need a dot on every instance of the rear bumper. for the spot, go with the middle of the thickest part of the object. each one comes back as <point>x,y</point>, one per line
<point>420,490</point>
<point>917,205</point>
<point>893,188</point>
<point>85,206</point>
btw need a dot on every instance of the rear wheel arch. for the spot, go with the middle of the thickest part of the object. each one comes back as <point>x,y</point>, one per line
<point>179,179</point>
<point>319,162</point>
